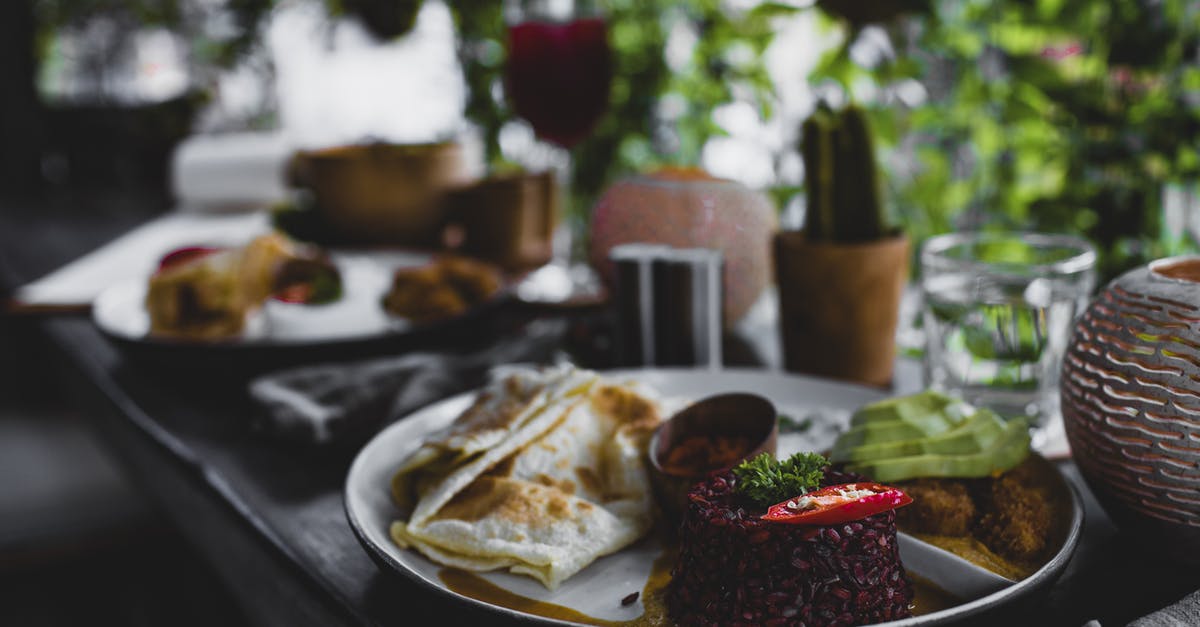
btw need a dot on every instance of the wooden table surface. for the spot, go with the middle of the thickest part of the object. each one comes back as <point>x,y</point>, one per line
<point>269,515</point>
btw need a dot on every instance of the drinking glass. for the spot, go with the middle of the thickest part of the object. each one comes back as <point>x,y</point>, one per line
<point>558,77</point>
<point>559,68</point>
<point>998,313</point>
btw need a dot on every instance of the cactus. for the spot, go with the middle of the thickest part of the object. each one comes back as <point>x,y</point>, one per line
<point>844,203</point>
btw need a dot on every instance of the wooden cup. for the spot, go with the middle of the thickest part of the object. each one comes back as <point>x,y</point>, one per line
<point>508,220</point>
<point>838,305</point>
<point>382,193</point>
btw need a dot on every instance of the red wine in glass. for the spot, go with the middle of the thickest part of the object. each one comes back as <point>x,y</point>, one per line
<point>558,76</point>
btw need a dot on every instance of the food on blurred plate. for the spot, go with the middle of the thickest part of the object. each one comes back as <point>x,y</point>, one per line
<point>977,491</point>
<point>543,474</point>
<point>312,280</point>
<point>789,542</point>
<point>445,288</point>
<point>206,293</point>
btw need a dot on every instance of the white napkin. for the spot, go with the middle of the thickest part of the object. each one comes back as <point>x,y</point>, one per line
<point>135,255</point>
<point>232,171</point>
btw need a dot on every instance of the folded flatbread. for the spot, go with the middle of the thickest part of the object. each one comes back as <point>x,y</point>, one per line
<point>544,473</point>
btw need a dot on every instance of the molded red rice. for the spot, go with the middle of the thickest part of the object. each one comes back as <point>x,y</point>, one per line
<point>735,569</point>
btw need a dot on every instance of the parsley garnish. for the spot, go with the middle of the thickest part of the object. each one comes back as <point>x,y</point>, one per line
<point>767,481</point>
<point>787,424</point>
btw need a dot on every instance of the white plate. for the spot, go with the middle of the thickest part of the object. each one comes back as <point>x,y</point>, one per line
<point>120,310</point>
<point>597,590</point>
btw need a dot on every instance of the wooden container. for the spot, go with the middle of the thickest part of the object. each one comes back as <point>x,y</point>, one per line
<point>382,193</point>
<point>508,220</point>
<point>1130,396</point>
<point>838,305</point>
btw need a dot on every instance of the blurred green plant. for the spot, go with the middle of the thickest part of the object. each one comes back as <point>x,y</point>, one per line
<point>659,113</point>
<point>1050,115</point>
<point>185,17</point>
<point>844,203</point>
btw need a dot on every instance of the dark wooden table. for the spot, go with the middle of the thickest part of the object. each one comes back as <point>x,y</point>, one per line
<point>269,515</point>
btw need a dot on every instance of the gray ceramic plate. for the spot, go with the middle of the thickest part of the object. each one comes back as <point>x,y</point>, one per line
<point>597,590</point>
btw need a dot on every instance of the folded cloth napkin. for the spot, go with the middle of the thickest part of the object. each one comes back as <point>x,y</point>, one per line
<point>321,404</point>
<point>1184,613</point>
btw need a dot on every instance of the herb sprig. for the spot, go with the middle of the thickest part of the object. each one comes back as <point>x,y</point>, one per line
<point>787,424</point>
<point>767,481</point>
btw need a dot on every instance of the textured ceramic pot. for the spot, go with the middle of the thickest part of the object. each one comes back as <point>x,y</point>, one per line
<point>689,209</point>
<point>1131,403</point>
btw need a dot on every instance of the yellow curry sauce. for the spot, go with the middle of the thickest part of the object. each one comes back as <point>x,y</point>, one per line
<point>976,552</point>
<point>928,597</point>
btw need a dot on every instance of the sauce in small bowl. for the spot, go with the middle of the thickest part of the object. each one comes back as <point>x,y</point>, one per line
<point>710,435</point>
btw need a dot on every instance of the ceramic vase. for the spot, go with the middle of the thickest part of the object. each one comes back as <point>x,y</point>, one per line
<point>689,209</point>
<point>1130,392</point>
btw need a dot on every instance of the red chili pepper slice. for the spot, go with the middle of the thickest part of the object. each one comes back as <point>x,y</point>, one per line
<point>187,253</point>
<point>837,504</point>
<point>298,293</point>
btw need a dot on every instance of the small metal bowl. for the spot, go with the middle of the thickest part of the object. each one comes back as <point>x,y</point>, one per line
<point>732,415</point>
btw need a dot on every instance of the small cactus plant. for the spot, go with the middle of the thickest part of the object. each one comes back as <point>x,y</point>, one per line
<point>842,179</point>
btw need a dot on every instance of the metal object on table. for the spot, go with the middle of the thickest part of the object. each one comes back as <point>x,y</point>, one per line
<point>668,305</point>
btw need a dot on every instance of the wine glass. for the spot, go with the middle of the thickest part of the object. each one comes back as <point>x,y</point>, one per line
<point>557,78</point>
<point>559,68</point>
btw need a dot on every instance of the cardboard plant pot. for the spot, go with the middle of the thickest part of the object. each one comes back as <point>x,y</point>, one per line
<point>382,193</point>
<point>507,219</point>
<point>838,305</point>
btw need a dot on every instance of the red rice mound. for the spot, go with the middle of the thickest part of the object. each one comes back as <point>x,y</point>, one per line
<point>735,569</point>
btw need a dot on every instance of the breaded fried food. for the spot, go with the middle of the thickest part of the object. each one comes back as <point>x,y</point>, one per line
<point>1018,515</point>
<point>940,506</point>
<point>475,280</point>
<point>446,288</point>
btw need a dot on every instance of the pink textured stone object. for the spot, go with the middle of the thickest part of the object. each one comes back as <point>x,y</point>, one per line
<point>1131,403</point>
<point>689,209</point>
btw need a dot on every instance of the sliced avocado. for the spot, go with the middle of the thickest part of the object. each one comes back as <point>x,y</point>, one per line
<point>976,434</point>
<point>914,408</point>
<point>880,432</point>
<point>876,433</point>
<point>1007,451</point>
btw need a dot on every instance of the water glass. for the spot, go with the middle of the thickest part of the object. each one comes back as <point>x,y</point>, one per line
<point>998,313</point>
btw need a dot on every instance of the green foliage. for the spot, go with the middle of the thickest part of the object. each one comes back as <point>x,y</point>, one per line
<point>182,16</point>
<point>1050,115</point>
<point>842,177</point>
<point>481,52</point>
<point>724,63</point>
<point>766,480</point>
